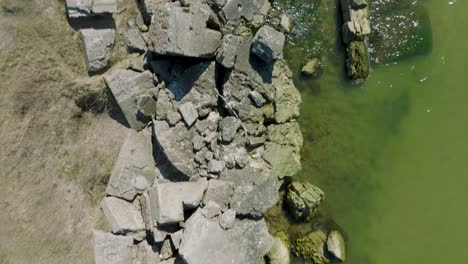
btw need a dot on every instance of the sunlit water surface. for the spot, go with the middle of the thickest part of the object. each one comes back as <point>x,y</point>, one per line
<point>392,154</point>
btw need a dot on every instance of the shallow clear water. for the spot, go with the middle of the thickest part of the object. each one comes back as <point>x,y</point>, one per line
<point>392,154</point>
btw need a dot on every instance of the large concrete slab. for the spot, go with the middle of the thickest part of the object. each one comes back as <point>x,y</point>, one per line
<point>123,217</point>
<point>134,171</point>
<point>112,249</point>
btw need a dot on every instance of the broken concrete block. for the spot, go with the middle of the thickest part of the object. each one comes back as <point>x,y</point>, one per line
<point>167,250</point>
<point>229,126</point>
<point>227,53</point>
<point>219,192</point>
<point>182,31</point>
<point>134,41</point>
<point>177,238</point>
<point>170,199</point>
<point>86,8</point>
<point>268,44</point>
<point>124,217</point>
<point>97,44</point>
<point>189,113</point>
<point>205,242</point>
<point>145,253</point>
<point>112,249</point>
<point>127,86</point>
<point>176,144</point>
<point>227,219</point>
<point>134,170</point>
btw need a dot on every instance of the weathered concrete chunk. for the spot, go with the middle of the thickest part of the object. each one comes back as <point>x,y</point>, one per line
<point>167,250</point>
<point>206,242</point>
<point>112,249</point>
<point>124,217</point>
<point>227,219</point>
<point>176,144</point>
<point>252,11</point>
<point>134,41</point>
<point>182,31</point>
<point>170,199</point>
<point>145,253</point>
<point>219,192</point>
<point>336,245</point>
<point>284,160</point>
<point>127,86</point>
<point>189,113</point>
<point>357,61</point>
<point>134,170</point>
<point>268,44</point>
<point>285,134</point>
<point>84,8</point>
<point>229,126</point>
<point>302,199</point>
<point>97,44</point>
<point>287,97</point>
<point>254,193</point>
<point>176,238</point>
<point>104,6</point>
<point>227,53</point>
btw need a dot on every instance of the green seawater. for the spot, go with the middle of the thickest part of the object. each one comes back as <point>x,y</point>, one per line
<point>391,154</point>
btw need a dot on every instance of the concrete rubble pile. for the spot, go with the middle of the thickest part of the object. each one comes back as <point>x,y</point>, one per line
<point>213,111</point>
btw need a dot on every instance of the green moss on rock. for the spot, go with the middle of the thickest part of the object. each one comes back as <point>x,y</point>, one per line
<point>357,62</point>
<point>311,247</point>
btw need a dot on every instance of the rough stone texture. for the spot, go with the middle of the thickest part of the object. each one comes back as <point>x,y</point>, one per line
<point>249,74</point>
<point>176,144</point>
<point>268,44</point>
<point>133,172</point>
<point>287,98</point>
<point>253,11</point>
<point>146,213</point>
<point>182,31</point>
<point>302,199</point>
<point>170,199</point>
<point>149,7</point>
<point>112,249</point>
<point>127,86</point>
<point>97,45</point>
<point>167,250</point>
<point>189,113</point>
<point>228,127</point>
<point>336,245</point>
<point>134,41</point>
<point>215,166</point>
<point>357,61</point>
<point>254,193</point>
<point>144,253</point>
<point>84,8</point>
<point>146,105</point>
<point>176,238</point>
<point>205,242</point>
<point>227,53</point>
<point>227,219</point>
<point>123,217</point>
<point>285,134</point>
<point>219,192</point>
<point>311,246</point>
<point>283,159</point>
<point>357,28</point>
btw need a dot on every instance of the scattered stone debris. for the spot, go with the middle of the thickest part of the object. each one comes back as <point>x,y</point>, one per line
<point>213,115</point>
